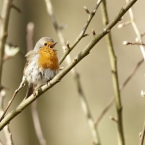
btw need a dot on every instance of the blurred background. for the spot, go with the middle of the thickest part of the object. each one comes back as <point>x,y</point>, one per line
<point>62,118</point>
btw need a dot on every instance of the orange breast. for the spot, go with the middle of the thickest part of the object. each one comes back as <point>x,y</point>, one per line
<point>48,58</point>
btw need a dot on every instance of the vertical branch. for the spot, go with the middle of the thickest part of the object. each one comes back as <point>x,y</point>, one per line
<point>74,71</point>
<point>113,60</point>
<point>4,19</point>
<point>34,110</point>
<point>37,125</point>
<point>87,112</point>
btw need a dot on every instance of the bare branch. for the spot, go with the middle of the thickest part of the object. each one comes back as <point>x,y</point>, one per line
<point>37,125</point>
<point>113,60</point>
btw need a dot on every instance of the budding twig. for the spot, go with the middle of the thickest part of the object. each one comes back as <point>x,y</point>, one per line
<point>133,43</point>
<point>113,119</point>
<point>87,11</point>
<point>93,31</point>
<point>124,24</point>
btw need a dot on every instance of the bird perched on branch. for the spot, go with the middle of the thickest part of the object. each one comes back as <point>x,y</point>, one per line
<point>41,64</point>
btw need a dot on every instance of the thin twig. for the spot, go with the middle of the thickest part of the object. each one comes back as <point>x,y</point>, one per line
<point>132,74</point>
<point>16,8</point>
<point>13,97</point>
<point>87,112</point>
<point>142,135</point>
<point>7,132</point>
<point>3,30</point>
<point>113,60</point>
<point>74,74</point>
<point>62,73</point>
<point>133,43</point>
<point>110,103</point>
<point>124,24</point>
<point>82,33</point>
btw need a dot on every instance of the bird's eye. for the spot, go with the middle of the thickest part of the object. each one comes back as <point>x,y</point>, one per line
<point>51,46</point>
<point>45,44</point>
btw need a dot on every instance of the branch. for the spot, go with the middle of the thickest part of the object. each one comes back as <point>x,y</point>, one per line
<point>113,60</point>
<point>4,19</point>
<point>37,125</point>
<point>58,77</point>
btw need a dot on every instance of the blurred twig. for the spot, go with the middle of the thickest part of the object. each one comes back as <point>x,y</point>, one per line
<point>142,135</point>
<point>62,73</point>
<point>34,111</point>
<point>37,125</point>
<point>16,8</point>
<point>133,23</point>
<point>1,143</point>
<point>121,88</point>
<point>7,132</point>
<point>74,71</point>
<point>4,19</point>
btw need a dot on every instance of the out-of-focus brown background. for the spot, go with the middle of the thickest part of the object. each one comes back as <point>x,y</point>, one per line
<point>62,119</point>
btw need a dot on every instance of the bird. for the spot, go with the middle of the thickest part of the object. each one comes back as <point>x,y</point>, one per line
<point>42,64</point>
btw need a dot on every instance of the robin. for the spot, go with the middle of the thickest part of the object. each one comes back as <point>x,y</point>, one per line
<point>41,64</point>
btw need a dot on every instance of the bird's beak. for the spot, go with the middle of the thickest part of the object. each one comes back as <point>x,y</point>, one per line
<point>54,45</point>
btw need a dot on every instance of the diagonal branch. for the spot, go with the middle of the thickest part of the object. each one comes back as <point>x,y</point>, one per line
<point>58,77</point>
